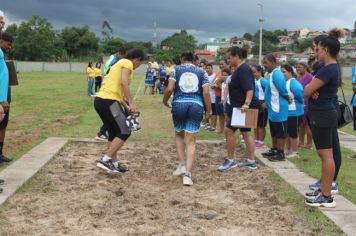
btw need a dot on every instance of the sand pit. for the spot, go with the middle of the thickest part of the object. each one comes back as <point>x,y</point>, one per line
<point>78,199</point>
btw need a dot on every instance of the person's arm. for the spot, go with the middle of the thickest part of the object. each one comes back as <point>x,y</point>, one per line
<point>168,92</point>
<point>297,90</point>
<point>280,84</point>
<point>207,101</point>
<point>248,86</point>
<point>246,105</point>
<point>125,77</point>
<point>312,87</point>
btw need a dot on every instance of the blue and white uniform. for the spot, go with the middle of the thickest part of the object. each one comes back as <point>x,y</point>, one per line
<point>275,97</point>
<point>149,77</point>
<point>296,92</point>
<point>260,87</point>
<point>4,79</point>
<point>187,105</point>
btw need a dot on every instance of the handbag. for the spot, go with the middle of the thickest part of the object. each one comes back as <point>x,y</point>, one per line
<point>344,112</point>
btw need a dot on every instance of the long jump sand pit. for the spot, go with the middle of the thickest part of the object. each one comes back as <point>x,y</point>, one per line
<point>76,198</point>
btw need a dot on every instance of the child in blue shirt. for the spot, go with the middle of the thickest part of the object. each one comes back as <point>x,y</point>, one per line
<point>149,78</point>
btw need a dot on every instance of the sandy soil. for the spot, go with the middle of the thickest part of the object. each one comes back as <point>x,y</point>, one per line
<point>79,199</point>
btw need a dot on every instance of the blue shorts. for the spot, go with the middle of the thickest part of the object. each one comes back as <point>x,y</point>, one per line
<point>149,82</point>
<point>187,116</point>
<point>218,106</point>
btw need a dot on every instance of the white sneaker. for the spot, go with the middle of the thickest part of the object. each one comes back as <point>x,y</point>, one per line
<point>292,155</point>
<point>180,170</point>
<point>187,180</point>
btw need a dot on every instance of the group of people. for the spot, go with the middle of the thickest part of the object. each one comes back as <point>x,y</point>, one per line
<point>94,76</point>
<point>293,100</point>
<point>6,41</point>
<point>156,79</point>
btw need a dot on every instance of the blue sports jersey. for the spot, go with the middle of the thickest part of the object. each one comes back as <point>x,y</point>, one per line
<point>149,74</point>
<point>260,87</point>
<point>296,92</point>
<point>4,79</point>
<point>163,71</point>
<point>275,97</point>
<point>354,82</point>
<point>189,82</point>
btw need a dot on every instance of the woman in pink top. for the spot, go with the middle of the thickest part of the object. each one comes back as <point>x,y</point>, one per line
<point>304,78</point>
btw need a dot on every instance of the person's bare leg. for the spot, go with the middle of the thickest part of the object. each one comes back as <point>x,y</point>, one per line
<point>230,143</point>
<point>191,140</point>
<point>114,147</point>
<point>327,170</point>
<point>222,124</point>
<point>250,145</point>
<point>180,145</point>
<point>302,131</point>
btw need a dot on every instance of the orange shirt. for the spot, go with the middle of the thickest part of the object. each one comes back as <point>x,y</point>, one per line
<point>217,89</point>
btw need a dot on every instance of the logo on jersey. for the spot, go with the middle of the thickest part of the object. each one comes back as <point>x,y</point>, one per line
<point>189,82</point>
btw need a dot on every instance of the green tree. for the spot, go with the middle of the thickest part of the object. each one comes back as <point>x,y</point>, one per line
<point>220,54</point>
<point>179,43</point>
<point>12,29</point>
<point>162,55</point>
<point>111,46</point>
<point>247,36</point>
<point>36,40</point>
<point>79,41</point>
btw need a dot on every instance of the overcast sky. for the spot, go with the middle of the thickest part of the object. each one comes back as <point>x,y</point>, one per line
<point>204,19</point>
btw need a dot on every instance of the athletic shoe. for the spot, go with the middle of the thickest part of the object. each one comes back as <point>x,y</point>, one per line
<point>313,194</point>
<point>212,129</point>
<point>121,169</point>
<point>5,159</point>
<point>247,164</point>
<point>107,166</point>
<point>321,201</point>
<point>101,137</point>
<point>227,165</point>
<point>187,180</point>
<point>260,145</point>
<point>315,186</point>
<point>2,181</point>
<point>292,155</point>
<point>207,126</point>
<point>278,157</point>
<point>181,169</point>
<point>270,152</point>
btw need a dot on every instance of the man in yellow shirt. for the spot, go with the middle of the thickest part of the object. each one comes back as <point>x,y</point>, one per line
<point>114,94</point>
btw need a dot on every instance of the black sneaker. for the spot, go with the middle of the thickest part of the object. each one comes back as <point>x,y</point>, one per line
<point>4,159</point>
<point>313,194</point>
<point>321,201</point>
<point>270,152</point>
<point>2,181</point>
<point>277,157</point>
<point>107,166</point>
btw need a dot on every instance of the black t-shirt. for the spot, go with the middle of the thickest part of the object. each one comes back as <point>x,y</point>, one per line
<point>242,81</point>
<point>330,75</point>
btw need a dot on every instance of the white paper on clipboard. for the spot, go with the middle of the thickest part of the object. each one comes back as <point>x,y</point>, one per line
<point>238,117</point>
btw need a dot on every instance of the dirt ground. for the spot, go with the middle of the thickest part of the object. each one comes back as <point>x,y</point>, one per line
<point>79,199</point>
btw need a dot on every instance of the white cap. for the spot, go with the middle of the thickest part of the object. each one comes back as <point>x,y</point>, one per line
<point>2,14</point>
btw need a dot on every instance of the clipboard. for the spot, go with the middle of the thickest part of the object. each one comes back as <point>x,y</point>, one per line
<point>12,73</point>
<point>246,119</point>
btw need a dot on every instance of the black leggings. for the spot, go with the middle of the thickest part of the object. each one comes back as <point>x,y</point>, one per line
<point>325,135</point>
<point>98,81</point>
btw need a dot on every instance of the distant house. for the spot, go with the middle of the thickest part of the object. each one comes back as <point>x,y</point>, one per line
<point>347,36</point>
<point>299,34</point>
<point>348,51</point>
<point>313,34</point>
<point>205,54</point>
<point>285,41</point>
<point>280,56</point>
<point>241,42</point>
<point>300,57</point>
<point>215,45</point>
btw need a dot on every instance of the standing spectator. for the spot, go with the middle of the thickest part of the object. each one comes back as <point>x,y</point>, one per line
<point>5,92</point>
<point>191,86</point>
<point>211,76</point>
<point>219,107</point>
<point>169,70</point>
<point>295,109</point>
<point>162,73</point>
<point>90,77</point>
<point>260,87</point>
<point>98,76</point>
<point>149,79</point>
<point>277,99</point>
<point>304,78</point>
<point>241,93</point>
<point>353,97</point>
<point>108,103</point>
<point>322,93</point>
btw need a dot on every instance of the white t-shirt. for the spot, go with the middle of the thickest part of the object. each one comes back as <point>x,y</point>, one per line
<point>212,78</point>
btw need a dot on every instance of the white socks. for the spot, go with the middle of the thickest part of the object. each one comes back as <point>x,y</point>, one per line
<point>105,158</point>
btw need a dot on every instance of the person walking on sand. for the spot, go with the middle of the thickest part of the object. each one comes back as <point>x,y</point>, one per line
<point>190,85</point>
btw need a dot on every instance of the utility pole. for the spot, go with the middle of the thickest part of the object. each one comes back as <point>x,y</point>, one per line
<point>261,20</point>
<point>155,42</point>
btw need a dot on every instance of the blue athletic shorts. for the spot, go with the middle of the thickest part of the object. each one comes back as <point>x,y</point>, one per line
<point>187,116</point>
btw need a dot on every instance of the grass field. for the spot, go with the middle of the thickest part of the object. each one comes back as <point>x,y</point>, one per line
<point>55,104</point>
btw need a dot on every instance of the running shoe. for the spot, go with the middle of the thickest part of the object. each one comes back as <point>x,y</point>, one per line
<point>270,152</point>
<point>292,155</point>
<point>227,165</point>
<point>187,179</point>
<point>5,159</point>
<point>278,157</point>
<point>321,201</point>
<point>315,186</point>
<point>313,194</point>
<point>260,145</point>
<point>181,169</point>
<point>247,164</point>
<point>107,166</point>
<point>101,137</point>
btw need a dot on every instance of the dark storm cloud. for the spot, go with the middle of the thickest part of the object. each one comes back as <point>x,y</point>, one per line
<point>133,20</point>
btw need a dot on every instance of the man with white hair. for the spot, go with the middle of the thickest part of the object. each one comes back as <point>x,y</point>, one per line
<point>2,20</point>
